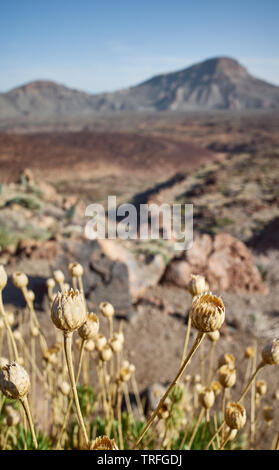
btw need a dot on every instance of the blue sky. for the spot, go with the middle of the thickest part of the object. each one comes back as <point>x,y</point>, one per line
<point>106,45</point>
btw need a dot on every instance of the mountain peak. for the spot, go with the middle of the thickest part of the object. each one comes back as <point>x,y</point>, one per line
<point>223,65</point>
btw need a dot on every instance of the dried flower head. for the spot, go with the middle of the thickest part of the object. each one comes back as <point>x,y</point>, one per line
<point>100,341</point>
<point>68,312</point>
<point>59,276</point>
<point>227,376</point>
<point>34,331</point>
<point>90,327</point>
<point>125,374</point>
<point>207,312</point>
<point>249,352</point>
<point>14,381</point>
<point>216,387</point>
<point>207,398</point>
<point>116,344</point>
<point>3,277</point>
<point>20,280</point>
<point>89,345</point>
<point>103,443</point>
<point>261,387</point>
<point>235,416</point>
<point>106,309</point>
<point>106,353</point>
<point>270,353</point>
<point>197,285</point>
<point>75,269</point>
<point>268,413</point>
<point>226,359</point>
<point>213,336</point>
<point>50,283</point>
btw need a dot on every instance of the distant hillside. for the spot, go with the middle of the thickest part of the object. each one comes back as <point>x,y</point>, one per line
<point>219,83</point>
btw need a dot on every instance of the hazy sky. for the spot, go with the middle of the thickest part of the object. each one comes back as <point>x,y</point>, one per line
<point>105,45</point>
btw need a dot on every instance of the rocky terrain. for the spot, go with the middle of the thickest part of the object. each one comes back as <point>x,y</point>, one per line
<point>218,83</point>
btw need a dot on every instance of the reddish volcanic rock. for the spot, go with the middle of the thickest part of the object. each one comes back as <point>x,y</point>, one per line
<point>226,263</point>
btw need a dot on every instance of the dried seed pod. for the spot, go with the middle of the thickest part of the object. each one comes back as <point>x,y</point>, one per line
<point>227,376</point>
<point>35,331</point>
<point>31,295</point>
<point>100,342</point>
<point>235,416</point>
<point>50,283</point>
<point>75,269</point>
<point>65,388</point>
<point>106,309</point>
<point>14,381</point>
<point>207,398</point>
<point>270,353</point>
<point>20,280</point>
<point>125,363</point>
<point>12,416</point>
<point>249,352</point>
<point>3,362</point>
<point>261,387</point>
<point>106,353</point>
<point>197,285</point>
<point>68,312</point>
<point>207,312</point>
<point>132,368</point>
<point>164,411</point>
<point>216,387</point>
<point>226,359</point>
<point>90,327</point>
<point>89,345</point>
<point>125,374</point>
<point>103,443</point>
<point>268,413</point>
<point>115,344</point>
<point>59,276</point>
<point>3,277</point>
<point>213,336</point>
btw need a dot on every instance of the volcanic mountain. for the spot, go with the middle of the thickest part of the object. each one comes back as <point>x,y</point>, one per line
<point>218,83</point>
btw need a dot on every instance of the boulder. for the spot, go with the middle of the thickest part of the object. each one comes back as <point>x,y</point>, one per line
<point>226,262</point>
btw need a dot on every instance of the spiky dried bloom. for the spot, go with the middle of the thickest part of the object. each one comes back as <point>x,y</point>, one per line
<point>216,387</point>
<point>227,376</point>
<point>249,352</point>
<point>90,327</point>
<point>12,416</point>
<point>261,387</point>
<point>3,362</point>
<point>207,398</point>
<point>58,276</point>
<point>68,312</point>
<point>89,345</point>
<point>100,341</point>
<point>235,416</point>
<point>270,353</point>
<point>3,277</point>
<point>103,443</point>
<point>197,285</point>
<point>207,312</point>
<point>14,381</point>
<point>268,413</point>
<point>19,280</point>
<point>226,359</point>
<point>213,336</point>
<point>106,353</point>
<point>106,309</point>
<point>76,269</point>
